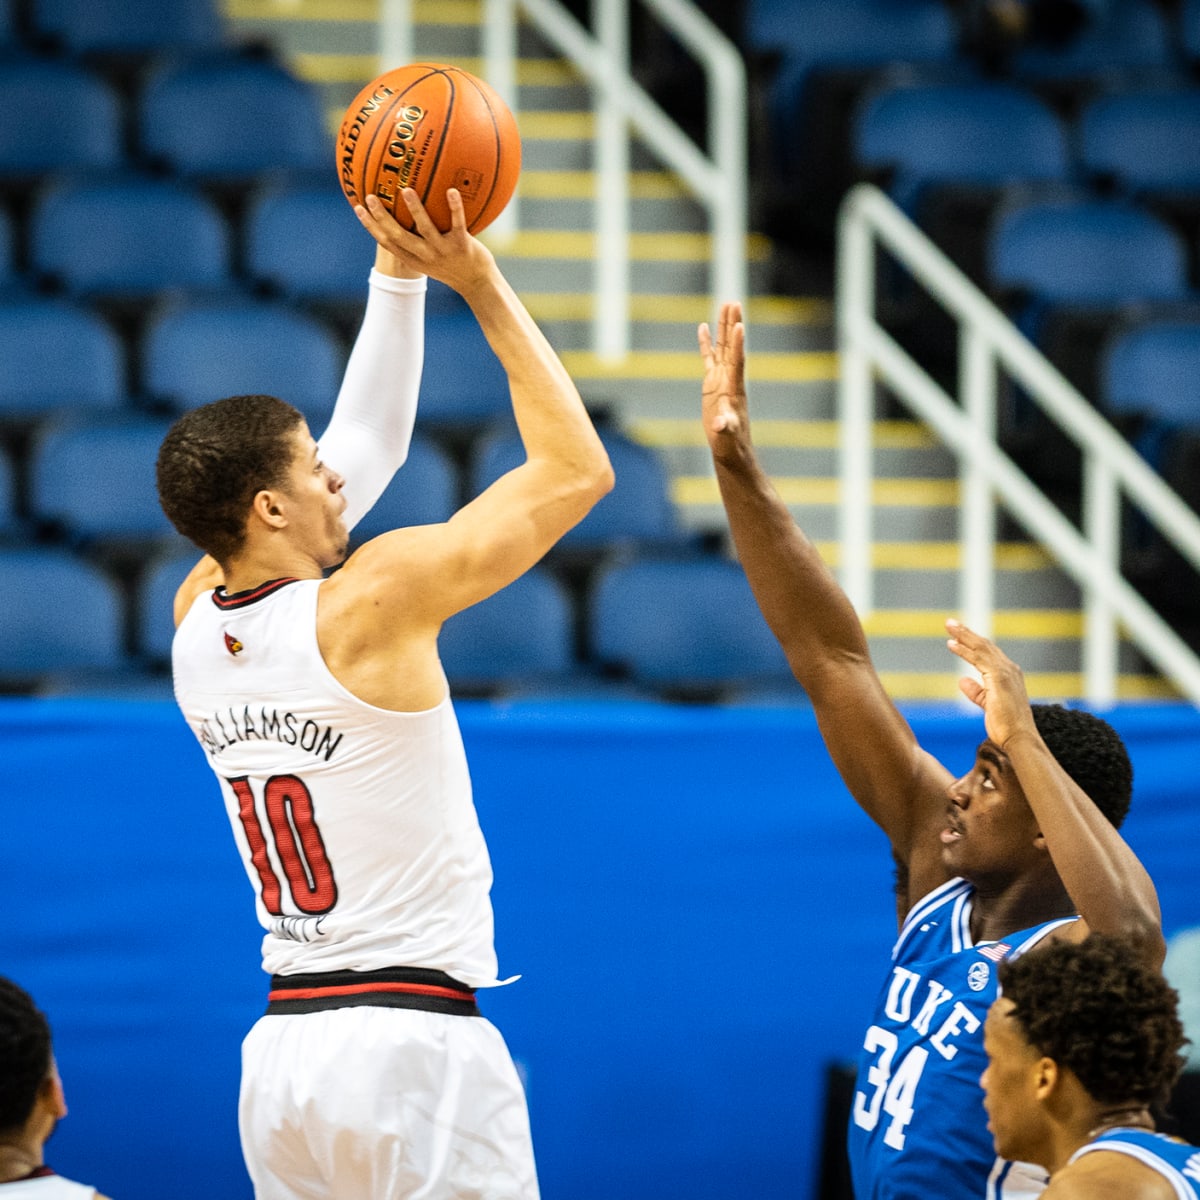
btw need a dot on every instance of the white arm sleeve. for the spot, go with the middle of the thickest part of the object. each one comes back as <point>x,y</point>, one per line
<point>371,428</point>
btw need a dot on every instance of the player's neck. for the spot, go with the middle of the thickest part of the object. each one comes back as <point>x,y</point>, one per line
<point>1089,1122</point>
<point>998,910</point>
<point>248,571</point>
<point>18,1159</point>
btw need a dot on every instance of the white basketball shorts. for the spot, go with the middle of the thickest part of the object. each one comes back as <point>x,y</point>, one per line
<point>370,1103</point>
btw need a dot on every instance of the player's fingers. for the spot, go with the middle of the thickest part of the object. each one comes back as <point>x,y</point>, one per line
<point>704,336</point>
<point>458,215</point>
<point>422,223</point>
<point>973,690</point>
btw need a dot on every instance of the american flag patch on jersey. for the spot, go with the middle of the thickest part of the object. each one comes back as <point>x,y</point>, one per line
<point>996,953</point>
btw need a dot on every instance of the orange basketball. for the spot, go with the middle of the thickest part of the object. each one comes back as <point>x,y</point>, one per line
<point>429,126</point>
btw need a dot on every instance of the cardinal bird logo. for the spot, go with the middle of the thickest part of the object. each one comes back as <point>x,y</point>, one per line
<point>233,645</point>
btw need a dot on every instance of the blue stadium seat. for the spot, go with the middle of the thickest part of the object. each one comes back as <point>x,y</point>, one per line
<point>127,26</point>
<point>95,479</point>
<point>231,116</point>
<point>1126,39</point>
<point>638,511</point>
<point>1145,141</point>
<point>34,136</point>
<point>57,356</point>
<point>196,353</point>
<point>463,383</point>
<point>425,491</point>
<point>848,33</point>
<point>10,523</point>
<point>1086,252</point>
<point>683,624</point>
<point>304,242</point>
<point>979,134</point>
<point>521,635</point>
<point>156,599</point>
<point>1153,371</point>
<point>1189,29</point>
<point>60,615</point>
<point>142,236</point>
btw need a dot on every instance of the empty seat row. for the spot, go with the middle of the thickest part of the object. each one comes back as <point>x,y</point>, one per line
<point>220,116</point>
<point>682,625</point>
<point>60,356</point>
<point>93,481</point>
<point>145,235</point>
<point>1144,141</point>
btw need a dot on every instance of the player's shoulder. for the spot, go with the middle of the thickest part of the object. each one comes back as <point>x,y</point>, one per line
<point>1108,1175</point>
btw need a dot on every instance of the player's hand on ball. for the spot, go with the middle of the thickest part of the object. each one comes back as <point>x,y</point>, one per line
<point>455,258</point>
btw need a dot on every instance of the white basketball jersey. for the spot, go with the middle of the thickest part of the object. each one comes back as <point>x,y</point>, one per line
<point>355,824</point>
<point>46,1187</point>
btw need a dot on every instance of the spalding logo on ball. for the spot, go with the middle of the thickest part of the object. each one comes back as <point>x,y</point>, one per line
<point>429,126</point>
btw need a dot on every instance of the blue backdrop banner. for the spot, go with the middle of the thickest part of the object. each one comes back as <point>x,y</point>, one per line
<point>699,914</point>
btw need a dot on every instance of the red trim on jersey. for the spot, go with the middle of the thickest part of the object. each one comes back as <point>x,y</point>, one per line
<point>352,989</point>
<point>224,600</point>
<point>42,1172</point>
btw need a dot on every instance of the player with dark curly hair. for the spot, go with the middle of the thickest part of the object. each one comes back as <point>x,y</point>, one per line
<point>1021,850</point>
<point>1083,1043</point>
<point>31,1103</point>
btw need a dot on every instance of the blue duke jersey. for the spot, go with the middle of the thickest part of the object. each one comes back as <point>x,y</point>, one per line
<point>917,1125</point>
<point>1177,1162</point>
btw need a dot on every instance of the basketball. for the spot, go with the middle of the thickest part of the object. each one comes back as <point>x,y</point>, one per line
<point>429,126</point>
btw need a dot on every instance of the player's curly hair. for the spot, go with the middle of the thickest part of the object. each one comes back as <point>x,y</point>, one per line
<point>1090,750</point>
<point>1097,1009</point>
<point>24,1054</point>
<point>214,460</point>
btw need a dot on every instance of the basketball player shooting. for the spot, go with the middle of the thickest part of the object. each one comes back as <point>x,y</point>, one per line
<point>322,707</point>
<point>1022,850</point>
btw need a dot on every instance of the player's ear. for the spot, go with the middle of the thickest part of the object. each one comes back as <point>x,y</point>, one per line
<point>267,507</point>
<point>1046,1078</point>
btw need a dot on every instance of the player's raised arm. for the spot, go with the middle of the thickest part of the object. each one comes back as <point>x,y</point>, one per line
<point>897,783</point>
<point>508,528</point>
<point>1106,881</point>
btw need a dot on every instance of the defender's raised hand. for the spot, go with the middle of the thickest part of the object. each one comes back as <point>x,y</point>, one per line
<point>1000,692</point>
<point>723,397</point>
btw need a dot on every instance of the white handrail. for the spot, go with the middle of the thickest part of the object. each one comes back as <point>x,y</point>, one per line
<point>990,341</point>
<point>718,183</point>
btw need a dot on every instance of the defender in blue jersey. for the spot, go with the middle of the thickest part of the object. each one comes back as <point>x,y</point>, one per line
<point>1083,1044</point>
<point>1019,852</point>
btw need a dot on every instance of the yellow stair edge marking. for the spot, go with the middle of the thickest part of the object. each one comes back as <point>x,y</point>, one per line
<point>644,306</point>
<point>556,126</point>
<point>663,432</point>
<point>581,185</point>
<point>1031,623</point>
<point>940,556</point>
<point>689,490</point>
<point>426,12</point>
<point>319,67</point>
<point>671,364</point>
<point>1041,685</point>
<point>643,247</point>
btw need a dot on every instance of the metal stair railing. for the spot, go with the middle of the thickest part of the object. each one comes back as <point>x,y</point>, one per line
<point>718,182</point>
<point>989,342</point>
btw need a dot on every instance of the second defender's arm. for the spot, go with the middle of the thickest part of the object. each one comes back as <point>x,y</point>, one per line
<point>900,786</point>
<point>1107,883</point>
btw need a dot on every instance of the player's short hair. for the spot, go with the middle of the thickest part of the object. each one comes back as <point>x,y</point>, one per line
<point>213,462</point>
<point>25,1054</point>
<point>1096,1008</point>
<point>1090,750</point>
